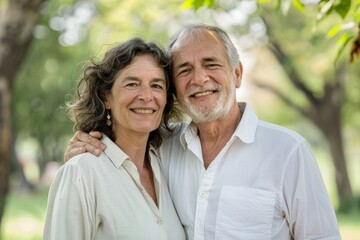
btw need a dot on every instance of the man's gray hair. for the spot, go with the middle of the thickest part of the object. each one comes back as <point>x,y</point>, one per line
<point>182,36</point>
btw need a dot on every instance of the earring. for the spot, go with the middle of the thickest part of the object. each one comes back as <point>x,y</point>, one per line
<point>108,121</point>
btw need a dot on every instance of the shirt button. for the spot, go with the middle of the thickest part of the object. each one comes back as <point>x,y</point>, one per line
<point>159,221</point>
<point>202,194</point>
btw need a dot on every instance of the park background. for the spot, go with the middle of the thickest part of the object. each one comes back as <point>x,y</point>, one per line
<point>298,72</point>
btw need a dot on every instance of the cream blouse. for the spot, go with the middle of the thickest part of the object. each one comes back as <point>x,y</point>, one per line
<point>102,198</point>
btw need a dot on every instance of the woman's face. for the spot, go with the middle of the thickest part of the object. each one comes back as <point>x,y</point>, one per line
<point>138,97</point>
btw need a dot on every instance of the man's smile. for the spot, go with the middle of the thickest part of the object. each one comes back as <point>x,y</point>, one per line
<point>200,94</point>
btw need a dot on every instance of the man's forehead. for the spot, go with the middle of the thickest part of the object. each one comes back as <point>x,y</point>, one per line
<point>199,37</point>
<point>198,52</point>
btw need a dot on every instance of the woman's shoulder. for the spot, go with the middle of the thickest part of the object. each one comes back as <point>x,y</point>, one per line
<point>83,160</point>
<point>82,165</point>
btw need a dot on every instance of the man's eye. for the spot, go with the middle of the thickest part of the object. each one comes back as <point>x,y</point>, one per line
<point>183,71</point>
<point>212,65</point>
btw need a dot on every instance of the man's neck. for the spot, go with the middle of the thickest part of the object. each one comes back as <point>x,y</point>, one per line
<point>214,135</point>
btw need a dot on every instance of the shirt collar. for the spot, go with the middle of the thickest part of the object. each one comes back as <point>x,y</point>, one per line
<point>245,131</point>
<point>115,154</point>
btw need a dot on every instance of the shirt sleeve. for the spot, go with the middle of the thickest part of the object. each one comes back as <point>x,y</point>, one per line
<point>70,213</point>
<point>309,211</point>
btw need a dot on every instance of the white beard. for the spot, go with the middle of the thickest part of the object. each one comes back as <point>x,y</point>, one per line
<point>220,109</point>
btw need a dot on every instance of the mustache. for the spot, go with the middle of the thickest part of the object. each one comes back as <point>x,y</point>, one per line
<point>211,86</point>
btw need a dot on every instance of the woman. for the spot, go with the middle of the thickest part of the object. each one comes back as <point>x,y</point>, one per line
<point>122,194</point>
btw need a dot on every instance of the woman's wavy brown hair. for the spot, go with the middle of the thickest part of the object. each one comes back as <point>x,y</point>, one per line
<point>88,107</point>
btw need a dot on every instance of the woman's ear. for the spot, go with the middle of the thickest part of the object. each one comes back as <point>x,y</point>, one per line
<point>107,102</point>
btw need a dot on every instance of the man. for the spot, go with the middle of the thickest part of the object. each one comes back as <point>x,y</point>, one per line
<point>231,175</point>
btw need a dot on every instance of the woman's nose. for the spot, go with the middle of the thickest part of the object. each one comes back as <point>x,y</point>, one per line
<point>145,94</point>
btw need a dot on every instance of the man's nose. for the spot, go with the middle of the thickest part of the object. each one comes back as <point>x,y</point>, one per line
<point>200,76</point>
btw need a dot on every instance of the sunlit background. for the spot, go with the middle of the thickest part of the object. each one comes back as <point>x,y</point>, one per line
<point>72,32</point>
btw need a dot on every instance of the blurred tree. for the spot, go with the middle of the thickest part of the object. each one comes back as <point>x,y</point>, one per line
<point>17,21</point>
<point>322,89</point>
<point>47,77</point>
<point>348,29</point>
<point>70,33</point>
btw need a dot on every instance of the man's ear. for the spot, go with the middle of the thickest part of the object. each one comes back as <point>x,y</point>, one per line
<point>238,75</point>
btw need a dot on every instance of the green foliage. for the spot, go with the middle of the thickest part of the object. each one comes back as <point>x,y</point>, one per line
<point>342,43</point>
<point>298,5</point>
<point>196,4</point>
<point>48,76</point>
<point>40,90</point>
<point>346,30</point>
<point>327,7</point>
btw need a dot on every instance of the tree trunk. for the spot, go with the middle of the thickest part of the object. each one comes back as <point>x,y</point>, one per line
<point>326,115</point>
<point>324,111</point>
<point>5,136</point>
<point>17,22</point>
<point>335,143</point>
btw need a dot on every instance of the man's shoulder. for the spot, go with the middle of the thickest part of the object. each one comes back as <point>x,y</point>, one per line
<point>279,132</point>
<point>176,129</point>
<point>172,142</point>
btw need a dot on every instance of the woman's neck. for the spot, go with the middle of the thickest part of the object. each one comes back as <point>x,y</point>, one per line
<point>135,146</point>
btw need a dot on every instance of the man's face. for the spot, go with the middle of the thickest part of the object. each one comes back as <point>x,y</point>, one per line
<point>204,80</point>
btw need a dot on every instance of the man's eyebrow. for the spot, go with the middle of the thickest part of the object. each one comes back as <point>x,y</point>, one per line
<point>205,59</point>
<point>185,64</point>
<point>210,59</point>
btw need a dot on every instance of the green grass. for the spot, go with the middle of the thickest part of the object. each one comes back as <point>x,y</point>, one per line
<point>25,214</point>
<point>349,225</point>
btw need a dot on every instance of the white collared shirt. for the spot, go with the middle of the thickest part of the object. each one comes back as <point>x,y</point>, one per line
<point>102,198</point>
<point>264,184</point>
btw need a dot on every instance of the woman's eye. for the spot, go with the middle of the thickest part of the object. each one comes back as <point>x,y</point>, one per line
<point>131,85</point>
<point>159,86</point>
